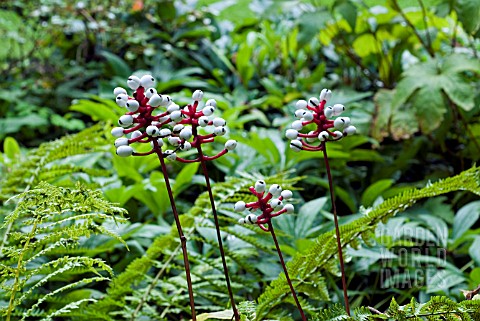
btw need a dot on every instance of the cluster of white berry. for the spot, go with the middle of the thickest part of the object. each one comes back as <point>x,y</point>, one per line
<point>315,112</point>
<point>271,204</point>
<point>152,117</point>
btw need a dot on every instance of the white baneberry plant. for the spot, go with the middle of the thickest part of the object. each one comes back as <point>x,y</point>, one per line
<point>147,121</point>
<point>179,127</point>
<point>314,112</point>
<point>323,126</point>
<point>270,204</point>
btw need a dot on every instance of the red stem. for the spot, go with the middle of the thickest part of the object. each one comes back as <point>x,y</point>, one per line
<point>270,227</point>
<point>337,229</point>
<point>183,239</point>
<point>217,228</point>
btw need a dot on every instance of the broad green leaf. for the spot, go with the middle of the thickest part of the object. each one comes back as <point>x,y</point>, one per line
<point>468,12</point>
<point>429,108</point>
<point>11,148</point>
<point>383,112</point>
<point>475,275</point>
<point>119,67</point>
<point>340,193</point>
<point>244,63</point>
<point>311,23</point>
<point>184,178</point>
<point>425,84</point>
<point>437,226</point>
<point>365,45</point>
<point>220,315</point>
<point>474,250</point>
<point>306,216</point>
<point>465,218</point>
<point>375,190</point>
<point>460,92</point>
<point>460,63</point>
<point>14,124</point>
<point>443,280</point>
<point>348,10</point>
<point>98,111</point>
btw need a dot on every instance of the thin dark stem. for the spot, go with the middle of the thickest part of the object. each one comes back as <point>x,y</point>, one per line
<point>219,236</point>
<point>272,231</point>
<point>183,239</point>
<point>337,229</point>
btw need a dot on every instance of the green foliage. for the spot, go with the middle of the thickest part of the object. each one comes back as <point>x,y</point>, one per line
<point>51,162</point>
<point>437,308</point>
<point>42,249</point>
<point>308,267</point>
<point>424,85</point>
<point>157,281</point>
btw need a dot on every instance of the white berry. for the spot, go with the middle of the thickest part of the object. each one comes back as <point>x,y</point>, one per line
<point>275,190</point>
<point>260,186</point>
<point>117,132</point>
<point>124,151</point>
<point>125,120</point>
<point>301,104</point>
<point>186,133</point>
<point>350,130</point>
<point>239,206</point>
<point>132,105</point>
<point>296,145</point>
<point>289,208</point>
<point>133,82</point>
<point>219,131</point>
<point>147,81</point>
<point>152,131</point>
<point>155,100</point>
<point>208,110</point>
<point>286,194</point>
<point>325,94</point>
<point>197,95</point>
<point>203,121</point>
<point>122,141</point>
<point>314,101</point>
<point>231,144</point>
<point>217,121</point>
<point>338,109</point>
<point>119,90</point>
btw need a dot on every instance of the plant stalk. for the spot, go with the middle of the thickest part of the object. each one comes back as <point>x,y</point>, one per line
<point>272,231</point>
<point>337,229</point>
<point>217,228</point>
<point>183,239</point>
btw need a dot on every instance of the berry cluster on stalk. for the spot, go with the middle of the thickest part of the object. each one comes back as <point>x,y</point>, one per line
<point>315,112</point>
<point>147,124</point>
<point>271,205</point>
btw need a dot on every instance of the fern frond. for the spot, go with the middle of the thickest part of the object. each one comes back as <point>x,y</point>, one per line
<point>53,221</point>
<point>43,163</point>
